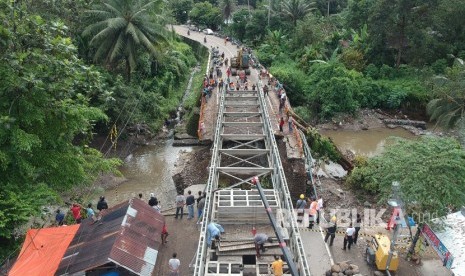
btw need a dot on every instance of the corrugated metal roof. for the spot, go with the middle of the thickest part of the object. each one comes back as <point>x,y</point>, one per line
<point>451,233</point>
<point>130,235</point>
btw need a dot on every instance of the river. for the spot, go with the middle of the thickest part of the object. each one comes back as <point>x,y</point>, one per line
<point>367,142</point>
<point>148,170</point>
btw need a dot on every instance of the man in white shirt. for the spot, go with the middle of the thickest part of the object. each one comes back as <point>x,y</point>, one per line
<point>349,237</point>
<point>174,264</point>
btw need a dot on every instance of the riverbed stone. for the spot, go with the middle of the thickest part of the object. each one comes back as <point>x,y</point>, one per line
<point>335,268</point>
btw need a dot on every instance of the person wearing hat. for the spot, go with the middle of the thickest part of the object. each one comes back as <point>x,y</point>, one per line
<point>300,206</point>
<point>331,231</point>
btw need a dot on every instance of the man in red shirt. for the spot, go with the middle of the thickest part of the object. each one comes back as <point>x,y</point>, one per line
<point>76,210</point>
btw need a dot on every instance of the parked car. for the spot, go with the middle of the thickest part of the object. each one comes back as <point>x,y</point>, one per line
<point>208,31</point>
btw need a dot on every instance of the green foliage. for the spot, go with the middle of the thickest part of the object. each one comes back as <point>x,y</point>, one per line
<point>180,9</point>
<point>322,146</point>
<point>353,59</point>
<point>204,14</point>
<point>371,71</point>
<point>439,66</point>
<point>431,172</point>
<point>294,10</point>
<point>292,78</point>
<point>448,106</point>
<point>46,120</point>
<point>119,28</point>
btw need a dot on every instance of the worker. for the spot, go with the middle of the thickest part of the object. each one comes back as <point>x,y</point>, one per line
<point>260,239</point>
<point>331,230</point>
<point>214,230</point>
<point>277,266</point>
<point>188,32</point>
<point>312,213</point>
<point>205,39</point>
<point>349,237</point>
<point>300,206</point>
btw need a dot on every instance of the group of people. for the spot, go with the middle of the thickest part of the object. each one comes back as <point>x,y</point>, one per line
<point>315,211</point>
<point>76,211</point>
<point>190,202</point>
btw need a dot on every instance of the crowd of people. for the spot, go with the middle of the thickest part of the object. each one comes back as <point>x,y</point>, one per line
<point>315,211</point>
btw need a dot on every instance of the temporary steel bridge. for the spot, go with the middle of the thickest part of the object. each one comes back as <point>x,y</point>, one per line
<point>244,147</point>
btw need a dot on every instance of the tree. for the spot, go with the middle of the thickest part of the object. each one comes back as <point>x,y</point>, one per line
<point>46,119</point>
<point>227,8</point>
<point>296,10</point>
<point>205,14</point>
<point>448,107</point>
<point>121,27</point>
<point>180,9</point>
<point>431,172</point>
<point>239,23</point>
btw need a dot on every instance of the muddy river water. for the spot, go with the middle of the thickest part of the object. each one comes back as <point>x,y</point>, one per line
<point>366,142</point>
<point>149,169</point>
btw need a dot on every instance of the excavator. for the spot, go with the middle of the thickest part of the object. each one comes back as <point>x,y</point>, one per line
<point>240,63</point>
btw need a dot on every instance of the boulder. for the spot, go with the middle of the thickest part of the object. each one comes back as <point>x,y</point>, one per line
<point>354,268</point>
<point>349,272</point>
<point>335,268</point>
<point>378,273</point>
<point>344,266</point>
<point>329,273</point>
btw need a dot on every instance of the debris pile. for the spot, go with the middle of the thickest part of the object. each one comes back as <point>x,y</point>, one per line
<point>344,268</point>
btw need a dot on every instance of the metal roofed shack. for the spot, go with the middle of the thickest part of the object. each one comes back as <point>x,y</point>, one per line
<point>42,250</point>
<point>127,242</point>
<point>450,241</point>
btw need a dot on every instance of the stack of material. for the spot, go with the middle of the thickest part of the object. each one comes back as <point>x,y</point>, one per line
<point>344,268</point>
<point>243,206</point>
<point>233,248</point>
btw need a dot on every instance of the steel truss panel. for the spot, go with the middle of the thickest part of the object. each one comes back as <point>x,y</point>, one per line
<point>241,114</point>
<point>242,137</point>
<point>244,170</point>
<point>245,152</point>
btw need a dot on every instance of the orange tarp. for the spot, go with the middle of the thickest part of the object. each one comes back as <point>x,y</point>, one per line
<point>43,250</point>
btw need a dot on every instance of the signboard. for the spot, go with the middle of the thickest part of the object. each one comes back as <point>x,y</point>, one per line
<point>438,246</point>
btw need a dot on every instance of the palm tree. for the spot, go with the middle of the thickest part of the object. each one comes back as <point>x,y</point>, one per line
<point>296,9</point>
<point>227,8</point>
<point>121,27</point>
<point>448,108</point>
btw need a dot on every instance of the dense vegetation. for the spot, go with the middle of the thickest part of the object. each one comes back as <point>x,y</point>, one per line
<point>335,57</point>
<point>431,172</point>
<point>69,70</point>
<point>339,56</point>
